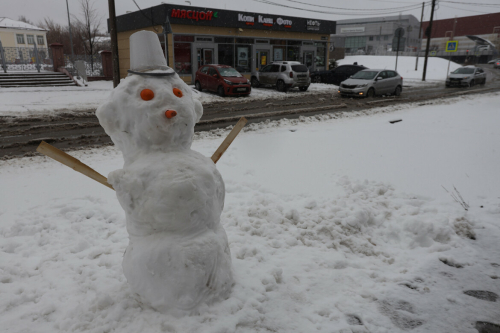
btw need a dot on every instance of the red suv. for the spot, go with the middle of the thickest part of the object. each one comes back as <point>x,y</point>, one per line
<point>223,79</point>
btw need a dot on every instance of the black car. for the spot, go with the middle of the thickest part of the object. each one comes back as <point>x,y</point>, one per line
<point>336,75</point>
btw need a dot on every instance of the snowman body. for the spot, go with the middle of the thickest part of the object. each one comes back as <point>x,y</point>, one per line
<point>178,256</point>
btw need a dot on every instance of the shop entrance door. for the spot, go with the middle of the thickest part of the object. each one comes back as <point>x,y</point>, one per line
<point>202,54</point>
<point>261,59</point>
<point>309,60</point>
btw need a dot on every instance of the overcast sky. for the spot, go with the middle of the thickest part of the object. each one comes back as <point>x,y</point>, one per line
<point>37,10</point>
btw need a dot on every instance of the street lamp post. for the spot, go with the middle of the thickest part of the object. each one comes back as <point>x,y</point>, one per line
<point>70,36</point>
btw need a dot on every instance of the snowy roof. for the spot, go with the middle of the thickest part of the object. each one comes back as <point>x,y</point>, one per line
<point>6,22</point>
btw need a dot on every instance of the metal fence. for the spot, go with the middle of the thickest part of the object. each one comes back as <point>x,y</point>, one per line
<point>93,64</point>
<point>25,59</point>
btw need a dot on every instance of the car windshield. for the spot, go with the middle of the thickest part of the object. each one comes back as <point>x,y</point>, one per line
<point>464,71</point>
<point>299,68</point>
<point>365,75</point>
<point>229,72</point>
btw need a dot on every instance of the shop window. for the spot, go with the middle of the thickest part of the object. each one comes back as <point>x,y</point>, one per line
<point>278,42</point>
<point>242,58</point>
<point>320,58</point>
<point>294,42</point>
<point>226,54</point>
<point>224,40</point>
<point>293,53</point>
<point>278,53</point>
<point>40,40</point>
<point>244,40</point>
<point>30,39</point>
<point>20,39</point>
<point>182,55</point>
<point>181,38</point>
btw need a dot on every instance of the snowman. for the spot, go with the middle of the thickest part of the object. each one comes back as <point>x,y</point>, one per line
<point>178,257</point>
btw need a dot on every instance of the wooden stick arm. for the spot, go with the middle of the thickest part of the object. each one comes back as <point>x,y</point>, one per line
<point>73,163</point>
<point>229,139</point>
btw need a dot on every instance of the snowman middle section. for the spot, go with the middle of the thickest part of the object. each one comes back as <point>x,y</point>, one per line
<point>178,257</point>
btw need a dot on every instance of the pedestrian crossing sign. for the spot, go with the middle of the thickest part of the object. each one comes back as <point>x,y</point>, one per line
<point>452,46</point>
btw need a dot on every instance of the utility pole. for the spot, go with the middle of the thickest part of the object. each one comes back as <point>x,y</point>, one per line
<point>419,35</point>
<point>114,43</point>
<point>451,38</point>
<point>70,36</point>
<point>429,29</point>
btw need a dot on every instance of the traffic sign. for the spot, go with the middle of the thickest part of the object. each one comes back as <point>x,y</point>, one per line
<point>432,53</point>
<point>452,46</point>
<point>400,32</point>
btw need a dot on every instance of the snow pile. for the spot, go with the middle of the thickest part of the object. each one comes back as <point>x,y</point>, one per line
<point>436,67</point>
<point>314,249</point>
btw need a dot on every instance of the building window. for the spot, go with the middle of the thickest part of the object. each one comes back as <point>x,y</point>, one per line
<point>355,43</point>
<point>378,38</point>
<point>386,37</point>
<point>182,54</point>
<point>226,54</point>
<point>20,39</point>
<point>320,55</point>
<point>31,39</point>
<point>242,58</point>
<point>40,40</point>
<point>293,53</point>
<point>370,38</point>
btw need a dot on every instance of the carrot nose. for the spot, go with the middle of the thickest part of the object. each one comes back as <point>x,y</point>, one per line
<point>170,114</point>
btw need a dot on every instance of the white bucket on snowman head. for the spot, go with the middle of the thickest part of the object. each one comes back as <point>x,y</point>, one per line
<point>146,55</point>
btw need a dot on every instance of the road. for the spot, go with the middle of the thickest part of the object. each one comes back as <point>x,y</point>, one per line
<point>19,136</point>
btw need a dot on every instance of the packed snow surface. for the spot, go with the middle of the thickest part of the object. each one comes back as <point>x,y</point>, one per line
<point>178,258</point>
<point>336,223</point>
<point>436,67</point>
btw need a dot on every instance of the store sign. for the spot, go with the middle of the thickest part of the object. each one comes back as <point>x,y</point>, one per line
<point>266,21</point>
<point>354,29</point>
<point>193,14</point>
<point>249,20</point>
<point>286,23</point>
<point>313,25</point>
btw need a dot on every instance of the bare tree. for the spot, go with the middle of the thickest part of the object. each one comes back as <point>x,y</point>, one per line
<point>24,19</point>
<point>88,28</point>
<point>57,33</point>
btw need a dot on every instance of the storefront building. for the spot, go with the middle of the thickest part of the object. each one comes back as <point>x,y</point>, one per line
<point>245,41</point>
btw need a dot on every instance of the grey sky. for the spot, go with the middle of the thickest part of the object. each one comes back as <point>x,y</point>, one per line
<point>36,10</point>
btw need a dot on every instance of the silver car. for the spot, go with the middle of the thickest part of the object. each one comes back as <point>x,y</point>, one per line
<point>466,76</point>
<point>284,75</point>
<point>371,82</point>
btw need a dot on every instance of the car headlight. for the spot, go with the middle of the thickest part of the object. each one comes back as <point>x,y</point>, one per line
<point>362,85</point>
<point>228,82</point>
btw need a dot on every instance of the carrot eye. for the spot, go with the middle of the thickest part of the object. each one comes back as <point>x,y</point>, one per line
<point>177,92</point>
<point>147,94</point>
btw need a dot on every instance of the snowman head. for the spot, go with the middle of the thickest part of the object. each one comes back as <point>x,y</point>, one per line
<point>152,110</point>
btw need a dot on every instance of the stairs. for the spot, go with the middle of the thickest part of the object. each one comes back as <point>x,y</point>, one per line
<point>47,79</point>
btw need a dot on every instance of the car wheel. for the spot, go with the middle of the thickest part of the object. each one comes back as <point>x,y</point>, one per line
<point>370,93</point>
<point>255,83</point>
<point>281,86</point>
<point>303,88</point>
<point>484,82</point>
<point>471,84</point>
<point>220,91</point>
<point>397,92</point>
<point>198,86</point>
<point>316,79</point>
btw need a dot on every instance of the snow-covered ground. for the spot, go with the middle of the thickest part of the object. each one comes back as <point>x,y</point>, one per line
<point>336,223</point>
<point>29,101</point>
<point>436,67</point>
<point>35,101</point>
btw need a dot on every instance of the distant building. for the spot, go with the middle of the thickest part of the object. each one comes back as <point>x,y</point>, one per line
<point>19,38</point>
<point>375,35</point>
<point>485,26</point>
